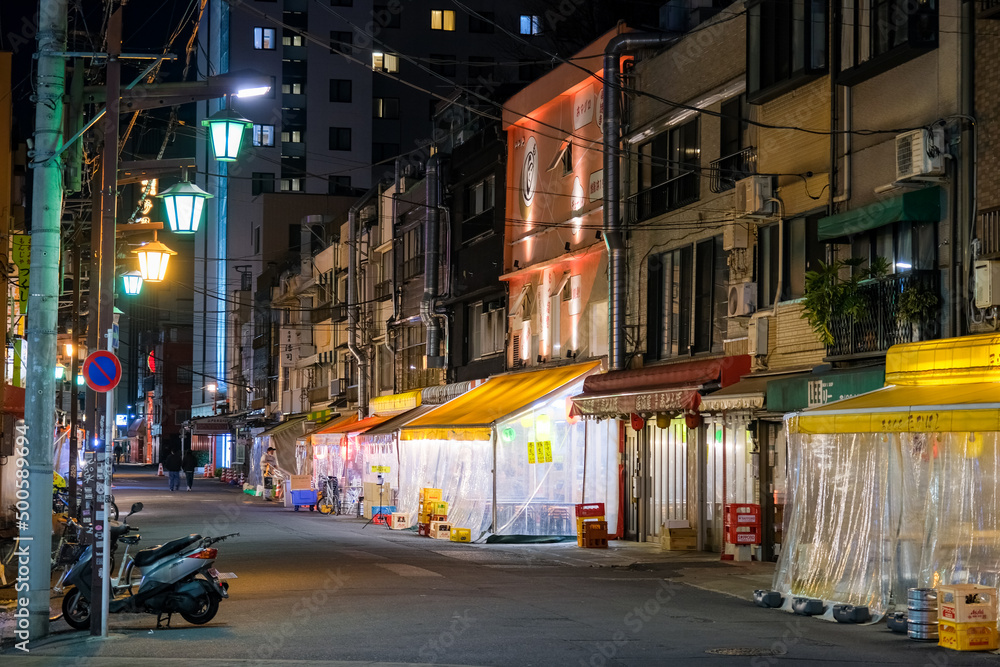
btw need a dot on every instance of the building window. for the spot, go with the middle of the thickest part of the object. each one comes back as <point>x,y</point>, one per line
<point>486,330</point>
<point>291,185</point>
<point>442,19</point>
<point>263,39</point>
<point>340,138</point>
<point>256,239</point>
<point>341,90</point>
<point>480,197</point>
<point>261,183</point>
<point>531,24</point>
<point>291,89</point>
<point>340,185</point>
<point>291,136</point>
<point>385,107</point>
<point>443,64</point>
<point>567,159</point>
<point>263,135</point>
<point>803,252</point>
<point>383,151</point>
<point>388,18</point>
<point>688,300</point>
<point>786,46</point>
<point>669,175</point>
<point>413,348</point>
<point>291,40</point>
<point>385,62</point>
<point>413,253</point>
<point>484,25</point>
<point>341,41</point>
<point>880,34</point>
<point>341,3</point>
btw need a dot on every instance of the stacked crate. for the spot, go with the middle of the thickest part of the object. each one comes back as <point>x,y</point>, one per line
<point>461,535</point>
<point>430,501</point>
<point>587,514</point>
<point>967,617</point>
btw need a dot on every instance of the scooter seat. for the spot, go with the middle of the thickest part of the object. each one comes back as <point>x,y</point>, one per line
<point>117,529</point>
<point>152,554</point>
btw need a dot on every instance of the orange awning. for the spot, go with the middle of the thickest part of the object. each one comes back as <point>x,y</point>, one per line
<point>334,426</point>
<point>352,424</point>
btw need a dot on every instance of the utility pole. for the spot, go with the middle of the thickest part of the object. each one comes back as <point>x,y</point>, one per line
<point>34,436</point>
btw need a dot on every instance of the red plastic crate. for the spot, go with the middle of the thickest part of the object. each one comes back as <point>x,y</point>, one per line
<point>590,509</point>
<point>742,514</point>
<point>743,534</point>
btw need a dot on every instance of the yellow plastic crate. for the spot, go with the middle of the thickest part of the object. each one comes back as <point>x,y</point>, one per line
<point>968,636</point>
<point>428,495</point>
<point>439,507</point>
<point>461,535</point>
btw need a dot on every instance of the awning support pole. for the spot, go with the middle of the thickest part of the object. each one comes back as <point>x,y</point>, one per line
<point>493,517</point>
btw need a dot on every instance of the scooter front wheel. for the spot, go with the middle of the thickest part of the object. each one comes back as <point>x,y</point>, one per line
<point>76,609</point>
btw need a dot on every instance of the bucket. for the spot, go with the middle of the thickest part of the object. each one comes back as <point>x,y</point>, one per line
<point>921,614</point>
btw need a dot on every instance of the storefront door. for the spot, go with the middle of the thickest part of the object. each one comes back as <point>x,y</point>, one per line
<point>657,473</point>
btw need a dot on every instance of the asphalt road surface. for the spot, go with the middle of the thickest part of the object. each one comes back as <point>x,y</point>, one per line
<point>320,590</point>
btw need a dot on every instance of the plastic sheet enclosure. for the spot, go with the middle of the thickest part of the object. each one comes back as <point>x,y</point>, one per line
<point>870,515</point>
<point>534,494</point>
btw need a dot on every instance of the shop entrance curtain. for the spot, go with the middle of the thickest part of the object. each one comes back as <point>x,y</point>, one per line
<point>873,514</point>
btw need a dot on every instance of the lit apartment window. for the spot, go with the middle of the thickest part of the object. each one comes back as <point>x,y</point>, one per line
<point>531,24</point>
<point>386,62</point>
<point>291,185</point>
<point>291,40</point>
<point>442,19</point>
<point>293,136</point>
<point>291,88</point>
<point>385,107</point>
<point>263,135</point>
<point>263,39</point>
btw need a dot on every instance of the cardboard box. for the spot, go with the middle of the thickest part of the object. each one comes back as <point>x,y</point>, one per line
<point>679,539</point>
<point>968,636</point>
<point>461,535</point>
<point>967,603</point>
<point>301,482</point>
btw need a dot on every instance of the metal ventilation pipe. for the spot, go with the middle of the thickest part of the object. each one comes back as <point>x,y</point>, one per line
<point>613,238</point>
<point>431,260</point>
<point>353,310</point>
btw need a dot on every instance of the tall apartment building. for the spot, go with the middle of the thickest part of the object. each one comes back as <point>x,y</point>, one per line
<point>355,86</point>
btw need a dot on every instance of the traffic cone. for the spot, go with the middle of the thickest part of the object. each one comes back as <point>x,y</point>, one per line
<point>159,471</point>
<point>208,470</point>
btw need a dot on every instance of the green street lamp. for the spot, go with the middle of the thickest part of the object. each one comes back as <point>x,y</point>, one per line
<point>153,259</point>
<point>60,371</point>
<point>132,282</point>
<point>226,131</point>
<point>185,203</point>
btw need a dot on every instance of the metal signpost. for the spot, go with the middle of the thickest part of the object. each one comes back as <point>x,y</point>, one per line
<point>102,372</point>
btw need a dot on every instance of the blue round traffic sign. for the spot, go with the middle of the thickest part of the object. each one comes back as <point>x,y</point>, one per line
<point>102,371</point>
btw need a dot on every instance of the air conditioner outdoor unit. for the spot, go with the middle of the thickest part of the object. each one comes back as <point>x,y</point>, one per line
<point>336,388</point>
<point>919,153</point>
<point>757,336</point>
<point>987,284</point>
<point>752,195</point>
<point>742,299</point>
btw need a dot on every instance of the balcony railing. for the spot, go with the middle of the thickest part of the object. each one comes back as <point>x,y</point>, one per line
<point>989,9</point>
<point>679,191</point>
<point>727,170</point>
<point>383,290</point>
<point>879,327</point>
<point>989,231</point>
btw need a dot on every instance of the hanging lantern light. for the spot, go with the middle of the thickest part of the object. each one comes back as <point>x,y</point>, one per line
<point>226,130</point>
<point>185,203</point>
<point>132,282</point>
<point>153,258</point>
<point>60,371</point>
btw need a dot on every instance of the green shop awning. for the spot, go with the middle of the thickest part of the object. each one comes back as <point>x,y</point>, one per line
<point>916,206</point>
<point>813,389</point>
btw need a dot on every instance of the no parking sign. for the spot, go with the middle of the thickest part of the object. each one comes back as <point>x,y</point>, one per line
<point>102,371</point>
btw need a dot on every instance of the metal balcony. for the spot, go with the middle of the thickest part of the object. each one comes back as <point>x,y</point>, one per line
<point>989,9</point>
<point>879,326</point>
<point>667,196</point>
<point>731,168</point>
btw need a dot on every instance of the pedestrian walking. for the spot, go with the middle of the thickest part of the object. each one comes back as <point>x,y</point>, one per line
<point>118,453</point>
<point>268,464</point>
<point>188,464</point>
<point>172,465</point>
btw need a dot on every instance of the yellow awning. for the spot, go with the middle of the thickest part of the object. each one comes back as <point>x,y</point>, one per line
<point>471,415</point>
<point>907,409</point>
<point>948,361</point>
<point>396,403</point>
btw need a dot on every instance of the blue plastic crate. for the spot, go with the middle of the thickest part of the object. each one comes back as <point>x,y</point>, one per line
<point>304,497</point>
<point>383,509</point>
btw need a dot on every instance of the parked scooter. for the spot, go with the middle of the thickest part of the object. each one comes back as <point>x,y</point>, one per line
<point>177,577</point>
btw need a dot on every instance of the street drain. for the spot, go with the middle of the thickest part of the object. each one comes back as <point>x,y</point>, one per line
<point>743,651</point>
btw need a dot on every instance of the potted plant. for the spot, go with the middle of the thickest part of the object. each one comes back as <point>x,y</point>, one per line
<point>918,305</point>
<point>826,294</point>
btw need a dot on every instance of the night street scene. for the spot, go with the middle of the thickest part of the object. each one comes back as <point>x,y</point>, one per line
<point>583,333</point>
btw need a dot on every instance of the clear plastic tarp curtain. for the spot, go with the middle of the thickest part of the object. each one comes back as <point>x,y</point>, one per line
<point>869,515</point>
<point>460,468</point>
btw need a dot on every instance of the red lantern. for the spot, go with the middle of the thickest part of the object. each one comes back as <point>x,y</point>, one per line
<point>151,363</point>
<point>638,423</point>
<point>692,418</point>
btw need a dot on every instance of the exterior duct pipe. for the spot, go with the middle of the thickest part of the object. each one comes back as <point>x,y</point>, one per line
<point>613,237</point>
<point>353,310</point>
<point>431,260</point>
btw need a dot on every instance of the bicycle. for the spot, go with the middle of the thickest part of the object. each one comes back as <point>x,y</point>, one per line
<point>60,504</point>
<point>329,499</point>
